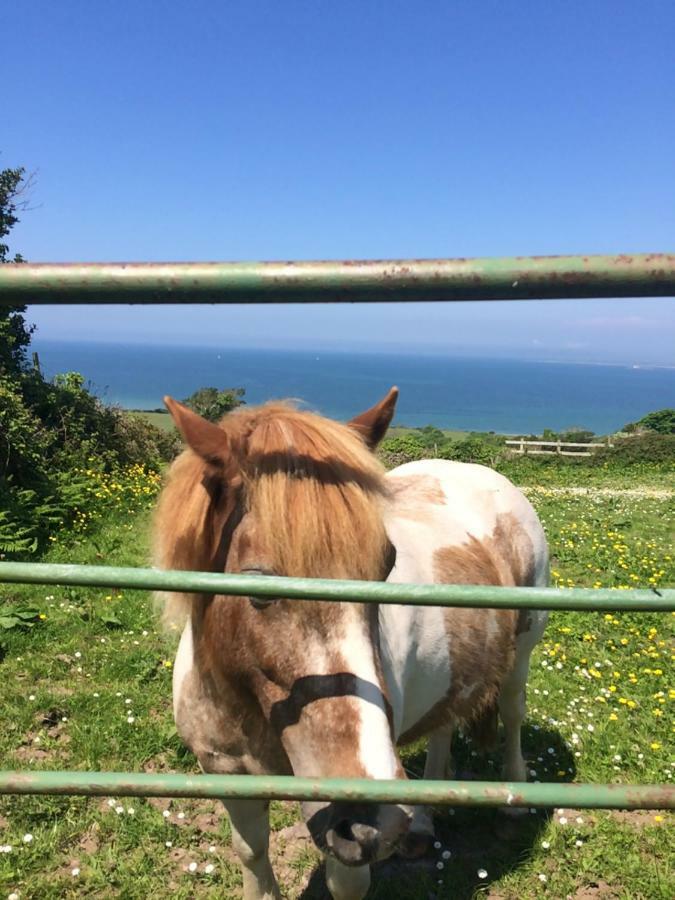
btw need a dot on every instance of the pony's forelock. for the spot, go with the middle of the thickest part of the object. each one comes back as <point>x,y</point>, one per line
<point>314,488</point>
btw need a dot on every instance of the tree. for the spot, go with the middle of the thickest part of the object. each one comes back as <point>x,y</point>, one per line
<point>14,332</point>
<point>212,403</point>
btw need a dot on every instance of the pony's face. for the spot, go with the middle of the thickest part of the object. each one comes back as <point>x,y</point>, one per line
<point>302,497</point>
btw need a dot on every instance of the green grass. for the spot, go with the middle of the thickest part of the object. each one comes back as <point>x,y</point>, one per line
<point>159,419</point>
<point>72,680</point>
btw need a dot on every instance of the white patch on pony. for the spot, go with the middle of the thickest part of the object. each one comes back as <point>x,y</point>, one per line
<point>183,664</point>
<point>415,660</point>
<point>376,750</point>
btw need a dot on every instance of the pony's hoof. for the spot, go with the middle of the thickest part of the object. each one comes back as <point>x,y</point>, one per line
<point>415,845</point>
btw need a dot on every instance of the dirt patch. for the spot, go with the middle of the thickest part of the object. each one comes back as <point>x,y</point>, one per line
<point>30,754</point>
<point>90,842</point>
<point>158,763</point>
<point>66,872</point>
<point>33,749</point>
<point>209,822</point>
<point>593,891</point>
<point>291,849</point>
<point>3,822</point>
<point>636,818</point>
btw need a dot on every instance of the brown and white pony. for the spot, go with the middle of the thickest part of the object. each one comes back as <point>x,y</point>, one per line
<point>331,689</point>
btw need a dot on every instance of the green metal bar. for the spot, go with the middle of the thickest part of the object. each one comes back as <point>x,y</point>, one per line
<point>290,787</point>
<point>509,278</point>
<point>349,591</point>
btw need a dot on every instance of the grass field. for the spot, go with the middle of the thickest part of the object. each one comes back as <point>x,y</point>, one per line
<point>159,419</point>
<point>86,681</point>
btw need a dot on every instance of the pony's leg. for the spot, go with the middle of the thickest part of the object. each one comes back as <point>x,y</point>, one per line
<point>512,698</point>
<point>250,840</point>
<point>438,765</point>
<point>346,882</point>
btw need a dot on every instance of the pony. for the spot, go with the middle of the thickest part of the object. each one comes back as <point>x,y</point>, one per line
<point>328,689</point>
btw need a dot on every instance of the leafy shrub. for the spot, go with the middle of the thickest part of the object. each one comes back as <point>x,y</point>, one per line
<point>637,450</point>
<point>662,422</point>
<point>60,446</point>
<point>395,451</point>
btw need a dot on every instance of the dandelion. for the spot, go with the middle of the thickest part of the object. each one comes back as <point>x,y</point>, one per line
<point>440,865</point>
<point>209,868</point>
<point>28,838</point>
<point>192,867</point>
<point>542,877</point>
<point>168,843</point>
<point>482,874</point>
<point>75,872</point>
<point>545,844</point>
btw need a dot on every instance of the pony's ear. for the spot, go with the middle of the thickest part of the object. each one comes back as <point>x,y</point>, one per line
<point>206,439</point>
<point>373,423</point>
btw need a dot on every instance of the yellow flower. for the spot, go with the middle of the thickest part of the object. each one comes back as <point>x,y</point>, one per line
<point>613,717</point>
<point>655,745</point>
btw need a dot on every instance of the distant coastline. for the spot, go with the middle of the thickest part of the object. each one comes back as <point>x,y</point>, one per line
<point>464,393</point>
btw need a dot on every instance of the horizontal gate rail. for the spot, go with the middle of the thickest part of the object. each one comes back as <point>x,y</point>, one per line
<point>654,600</point>
<point>364,281</point>
<point>294,787</point>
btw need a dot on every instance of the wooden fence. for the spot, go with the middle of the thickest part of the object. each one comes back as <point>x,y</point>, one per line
<point>557,448</point>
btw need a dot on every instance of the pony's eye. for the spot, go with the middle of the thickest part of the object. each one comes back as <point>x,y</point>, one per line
<point>259,602</point>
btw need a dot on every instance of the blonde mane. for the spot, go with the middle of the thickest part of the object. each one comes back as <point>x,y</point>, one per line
<point>314,487</point>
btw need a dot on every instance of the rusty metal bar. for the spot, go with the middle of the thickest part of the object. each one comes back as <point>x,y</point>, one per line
<point>324,589</point>
<point>369,281</point>
<point>290,787</point>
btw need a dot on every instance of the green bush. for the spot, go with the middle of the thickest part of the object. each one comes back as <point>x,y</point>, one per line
<point>637,450</point>
<point>58,441</point>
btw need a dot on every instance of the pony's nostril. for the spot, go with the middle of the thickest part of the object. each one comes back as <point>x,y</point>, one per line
<point>343,829</point>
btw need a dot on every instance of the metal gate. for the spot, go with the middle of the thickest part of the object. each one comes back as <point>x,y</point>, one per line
<point>519,278</point>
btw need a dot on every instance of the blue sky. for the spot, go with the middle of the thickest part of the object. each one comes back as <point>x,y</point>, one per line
<point>275,130</point>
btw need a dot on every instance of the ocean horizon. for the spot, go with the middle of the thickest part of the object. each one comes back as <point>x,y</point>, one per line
<point>465,393</point>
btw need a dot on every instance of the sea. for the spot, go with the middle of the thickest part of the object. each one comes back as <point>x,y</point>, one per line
<point>467,394</point>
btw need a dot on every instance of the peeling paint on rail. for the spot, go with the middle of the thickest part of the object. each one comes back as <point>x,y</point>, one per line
<point>364,281</point>
<point>288,787</point>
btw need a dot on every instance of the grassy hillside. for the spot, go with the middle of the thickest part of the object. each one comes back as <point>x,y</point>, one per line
<point>159,419</point>
<point>86,678</point>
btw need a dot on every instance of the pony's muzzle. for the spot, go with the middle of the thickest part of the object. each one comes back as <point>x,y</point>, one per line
<point>356,834</point>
